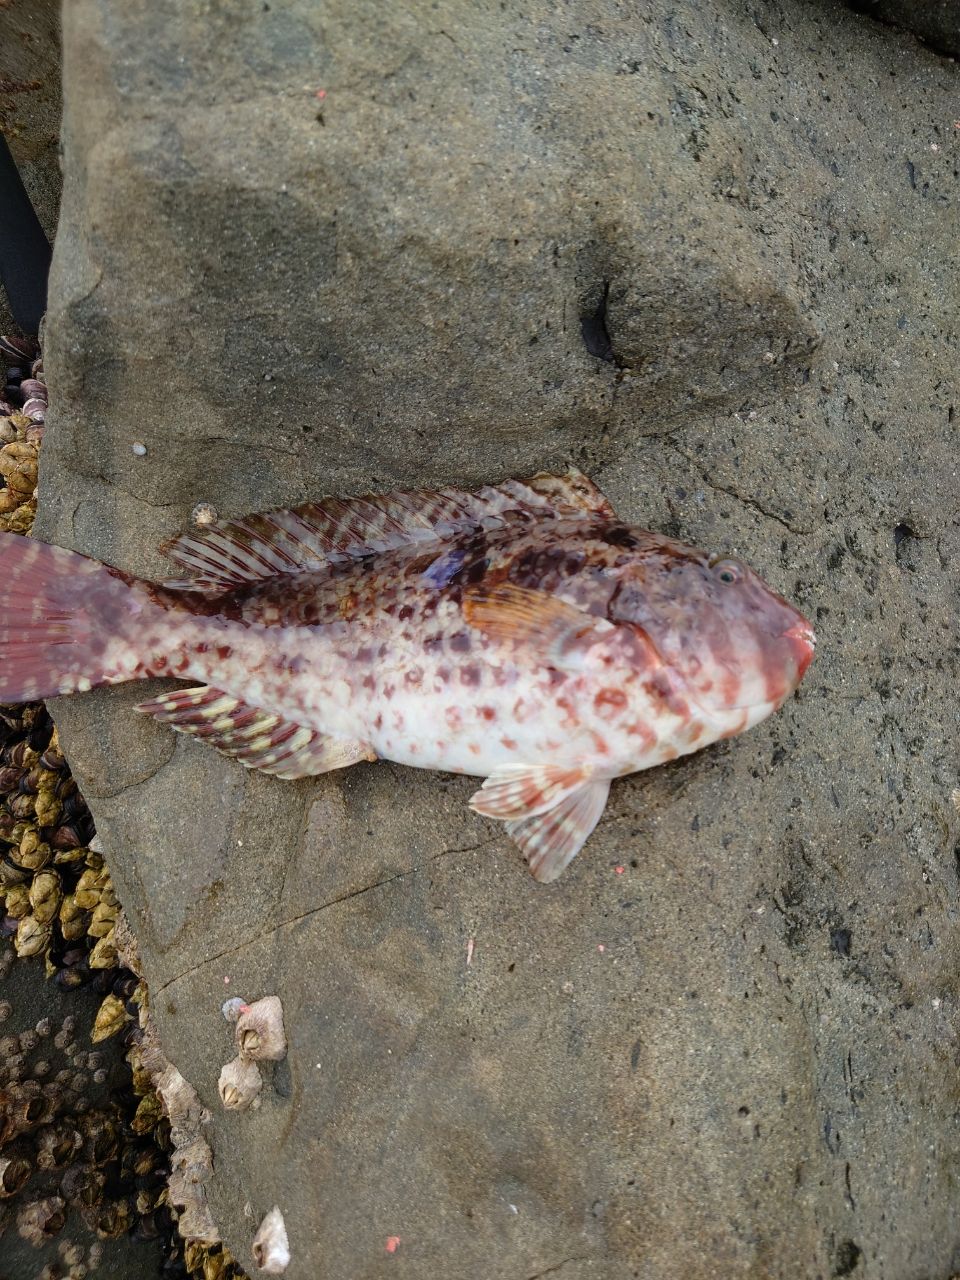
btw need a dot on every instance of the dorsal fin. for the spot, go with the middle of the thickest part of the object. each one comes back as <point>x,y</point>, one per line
<point>311,536</point>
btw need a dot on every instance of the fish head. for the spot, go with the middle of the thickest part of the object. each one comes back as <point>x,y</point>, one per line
<point>738,648</point>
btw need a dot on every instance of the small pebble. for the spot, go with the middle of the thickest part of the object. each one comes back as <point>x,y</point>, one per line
<point>139,450</point>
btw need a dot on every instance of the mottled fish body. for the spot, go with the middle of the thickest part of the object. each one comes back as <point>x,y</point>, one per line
<point>522,634</point>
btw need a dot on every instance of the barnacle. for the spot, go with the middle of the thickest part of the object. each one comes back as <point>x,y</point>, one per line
<point>110,1018</point>
<point>239,1084</point>
<point>40,1220</point>
<point>260,1032</point>
<point>271,1248</point>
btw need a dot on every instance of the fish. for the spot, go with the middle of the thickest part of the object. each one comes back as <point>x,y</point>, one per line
<point>521,633</point>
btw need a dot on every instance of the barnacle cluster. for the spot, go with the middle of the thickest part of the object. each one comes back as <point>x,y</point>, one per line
<point>23,406</point>
<point>91,1137</point>
<point>259,1037</point>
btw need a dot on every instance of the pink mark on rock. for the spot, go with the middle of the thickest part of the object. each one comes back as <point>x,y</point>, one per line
<point>470,944</point>
<point>601,948</point>
<point>393,1243</point>
<point>320,94</point>
<point>619,870</point>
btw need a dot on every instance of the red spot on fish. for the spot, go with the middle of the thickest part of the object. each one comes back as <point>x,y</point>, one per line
<point>389,690</point>
<point>599,744</point>
<point>520,710</point>
<point>405,612</point>
<point>729,688</point>
<point>443,673</point>
<point>414,675</point>
<point>608,702</point>
<point>368,682</point>
<point>378,723</point>
<point>224,651</point>
<point>454,717</point>
<point>509,743</point>
<point>570,718</point>
<point>642,731</point>
<point>474,748</point>
<point>470,675</point>
<point>488,713</point>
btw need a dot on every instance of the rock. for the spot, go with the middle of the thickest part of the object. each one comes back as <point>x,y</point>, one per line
<point>936,22</point>
<point>30,105</point>
<point>707,256</point>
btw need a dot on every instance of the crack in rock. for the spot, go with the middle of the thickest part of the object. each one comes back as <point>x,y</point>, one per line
<point>324,906</point>
<point>558,1266</point>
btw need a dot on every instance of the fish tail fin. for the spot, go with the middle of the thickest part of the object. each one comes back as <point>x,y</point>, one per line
<point>63,619</point>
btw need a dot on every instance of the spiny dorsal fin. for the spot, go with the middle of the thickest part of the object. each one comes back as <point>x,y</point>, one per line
<point>256,738</point>
<point>314,535</point>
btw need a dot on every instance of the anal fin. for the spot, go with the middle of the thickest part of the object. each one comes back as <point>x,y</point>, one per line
<point>256,738</point>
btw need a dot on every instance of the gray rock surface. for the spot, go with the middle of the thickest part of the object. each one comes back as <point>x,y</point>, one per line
<point>936,22</point>
<point>313,249</point>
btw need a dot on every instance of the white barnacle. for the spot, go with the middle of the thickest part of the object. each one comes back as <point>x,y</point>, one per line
<point>260,1033</point>
<point>271,1248</point>
<point>204,514</point>
<point>239,1083</point>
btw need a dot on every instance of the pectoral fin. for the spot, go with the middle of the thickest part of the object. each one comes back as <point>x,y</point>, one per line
<point>559,632</point>
<point>551,840</point>
<point>256,738</point>
<point>523,790</point>
<point>549,811</point>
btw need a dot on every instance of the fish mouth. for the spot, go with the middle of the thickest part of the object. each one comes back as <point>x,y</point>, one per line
<point>802,640</point>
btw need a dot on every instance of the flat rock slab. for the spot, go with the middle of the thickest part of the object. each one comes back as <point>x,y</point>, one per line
<point>709,255</point>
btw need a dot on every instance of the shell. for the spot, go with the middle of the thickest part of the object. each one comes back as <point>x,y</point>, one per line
<point>32,936</point>
<point>239,1084</point>
<point>14,1173</point>
<point>260,1032</point>
<point>104,954</point>
<point>232,1008</point>
<point>271,1248</point>
<point>111,1017</point>
<point>45,896</point>
<point>40,1220</point>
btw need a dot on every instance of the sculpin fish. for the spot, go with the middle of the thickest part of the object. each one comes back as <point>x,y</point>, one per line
<point>521,633</point>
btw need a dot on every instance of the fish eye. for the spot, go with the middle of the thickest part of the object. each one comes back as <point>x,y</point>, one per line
<point>726,571</point>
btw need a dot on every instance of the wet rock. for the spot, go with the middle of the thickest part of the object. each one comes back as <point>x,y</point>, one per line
<point>706,254</point>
